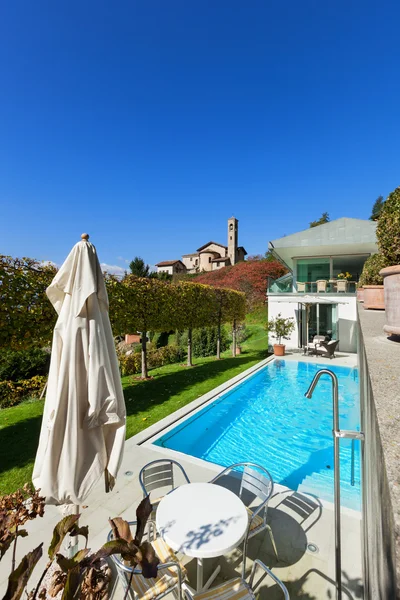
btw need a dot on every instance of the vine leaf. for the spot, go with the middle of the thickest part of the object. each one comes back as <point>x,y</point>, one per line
<point>20,576</point>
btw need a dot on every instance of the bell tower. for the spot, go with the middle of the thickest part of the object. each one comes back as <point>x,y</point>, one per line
<point>232,239</point>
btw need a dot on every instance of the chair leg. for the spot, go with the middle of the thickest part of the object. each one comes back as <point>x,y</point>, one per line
<point>271,537</point>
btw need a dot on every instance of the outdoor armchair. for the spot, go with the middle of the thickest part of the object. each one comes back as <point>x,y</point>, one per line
<point>321,285</point>
<point>160,475</point>
<point>327,349</point>
<point>341,285</point>
<point>257,481</point>
<point>238,588</point>
<point>301,286</point>
<point>170,572</point>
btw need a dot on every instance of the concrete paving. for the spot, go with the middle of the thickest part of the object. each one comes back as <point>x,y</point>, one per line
<point>303,527</point>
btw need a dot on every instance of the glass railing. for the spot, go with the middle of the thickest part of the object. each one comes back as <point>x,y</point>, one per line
<point>286,285</point>
<point>283,285</point>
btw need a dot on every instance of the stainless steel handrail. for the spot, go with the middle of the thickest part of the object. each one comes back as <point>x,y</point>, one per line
<point>337,433</point>
<point>352,478</point>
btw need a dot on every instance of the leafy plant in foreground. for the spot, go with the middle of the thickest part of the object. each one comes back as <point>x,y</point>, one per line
<point>81,576</point>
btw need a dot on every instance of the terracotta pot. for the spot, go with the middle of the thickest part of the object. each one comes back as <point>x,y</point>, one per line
<point>391,281</point>
<point>279,349</point>
<point>360,294</point>
<point>374,297</point>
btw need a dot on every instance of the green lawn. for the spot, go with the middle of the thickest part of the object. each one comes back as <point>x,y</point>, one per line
<point>172,387</point>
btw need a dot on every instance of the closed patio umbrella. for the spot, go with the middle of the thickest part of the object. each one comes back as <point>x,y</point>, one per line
<point>83,428</point>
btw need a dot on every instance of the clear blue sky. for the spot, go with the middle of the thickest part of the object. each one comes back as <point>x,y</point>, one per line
<point>149,123</point>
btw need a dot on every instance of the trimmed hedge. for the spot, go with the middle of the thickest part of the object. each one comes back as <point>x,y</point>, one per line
<point>370,273</point>
<point>388,229</point>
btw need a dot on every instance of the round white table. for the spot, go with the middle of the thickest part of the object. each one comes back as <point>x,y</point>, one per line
<point>202,520</point>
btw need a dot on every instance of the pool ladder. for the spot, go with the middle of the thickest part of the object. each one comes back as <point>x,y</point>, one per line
<point>337,434</point>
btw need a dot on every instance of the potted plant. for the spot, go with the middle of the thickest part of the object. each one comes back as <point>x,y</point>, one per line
<point>346,276</point>
<point>388,234</point>
<point>280,327</point>
<point>372,282</point>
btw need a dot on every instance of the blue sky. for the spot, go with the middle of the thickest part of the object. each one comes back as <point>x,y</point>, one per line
<point>149,123</point>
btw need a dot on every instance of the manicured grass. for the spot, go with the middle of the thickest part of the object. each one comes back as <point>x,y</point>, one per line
<point>172,387</point>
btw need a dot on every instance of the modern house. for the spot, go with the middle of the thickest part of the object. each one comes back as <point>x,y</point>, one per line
<point>314,292</point>
<point>212,256</point>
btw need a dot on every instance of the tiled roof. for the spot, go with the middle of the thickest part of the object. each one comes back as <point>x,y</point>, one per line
<point>209,244</point>
<point>221,259</point>
<point>167,263</point>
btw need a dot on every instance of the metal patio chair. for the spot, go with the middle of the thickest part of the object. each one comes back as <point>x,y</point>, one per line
<point>257,480</point>
<point>238,588</point>
<point>159,474</point>
<point>170,572</point>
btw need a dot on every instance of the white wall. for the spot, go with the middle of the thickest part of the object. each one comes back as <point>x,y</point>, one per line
<point>347,319</point>
<point>168,269</point>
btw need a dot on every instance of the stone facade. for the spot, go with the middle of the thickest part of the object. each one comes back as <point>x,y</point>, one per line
<point>213,256</point>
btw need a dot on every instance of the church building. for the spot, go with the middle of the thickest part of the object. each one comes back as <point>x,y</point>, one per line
<point>213,256</point>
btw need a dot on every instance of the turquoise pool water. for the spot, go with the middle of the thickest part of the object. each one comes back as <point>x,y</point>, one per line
<point>268,420</point>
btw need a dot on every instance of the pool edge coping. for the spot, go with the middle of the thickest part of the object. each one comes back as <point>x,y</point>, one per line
<point>157,428</point>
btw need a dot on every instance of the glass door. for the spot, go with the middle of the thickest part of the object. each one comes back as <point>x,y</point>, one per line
<point>322,320</point>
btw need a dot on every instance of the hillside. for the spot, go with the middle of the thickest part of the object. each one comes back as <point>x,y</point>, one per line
<point>249,277</point>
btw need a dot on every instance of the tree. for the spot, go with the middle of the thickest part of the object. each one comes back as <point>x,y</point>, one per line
<point>323,219</point>
<point>147,304</point>
<point>195,306</point>
<point>388,229</point>
<point>376,209</point>
<point>27,318</point>
<point>139,268</point>
<point>249,277</point>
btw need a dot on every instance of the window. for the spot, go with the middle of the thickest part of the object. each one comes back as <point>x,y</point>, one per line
<point>230,237</point>
<point>196,261</point>
<point>217,264</point>
<point>191,258</point>
<point>231,227</point>
<point>209,259</point>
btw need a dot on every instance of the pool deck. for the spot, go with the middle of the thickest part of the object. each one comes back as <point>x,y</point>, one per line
<point>297,520</point>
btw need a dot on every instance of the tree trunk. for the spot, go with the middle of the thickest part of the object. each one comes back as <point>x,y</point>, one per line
<point>234,338</point>
<point>189,350</point>
<point>144,356</point>
<point>219,341</point>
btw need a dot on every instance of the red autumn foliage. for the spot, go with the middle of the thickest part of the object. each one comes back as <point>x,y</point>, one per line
<point>249,277</point>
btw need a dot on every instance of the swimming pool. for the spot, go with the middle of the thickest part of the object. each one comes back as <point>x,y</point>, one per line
<point>267,420</point>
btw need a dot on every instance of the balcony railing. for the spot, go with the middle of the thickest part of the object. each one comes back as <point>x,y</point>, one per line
<point>286,285</point>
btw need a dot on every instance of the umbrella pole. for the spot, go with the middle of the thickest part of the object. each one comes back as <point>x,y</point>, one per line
<point>72,547</point>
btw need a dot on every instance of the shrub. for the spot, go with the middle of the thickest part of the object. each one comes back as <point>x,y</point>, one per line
<point>12,393</point>
<point>370,273</point>
<point>204,341</point>
<point>156,357</point>
<point>388,229</point>
<point>23,364</point>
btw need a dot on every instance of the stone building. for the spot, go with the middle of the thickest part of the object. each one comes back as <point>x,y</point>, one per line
<point>213,256</point>
<point>171,267</point>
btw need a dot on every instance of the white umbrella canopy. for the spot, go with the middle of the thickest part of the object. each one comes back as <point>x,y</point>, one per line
<point>307,301</point>
<point>83,428</point>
